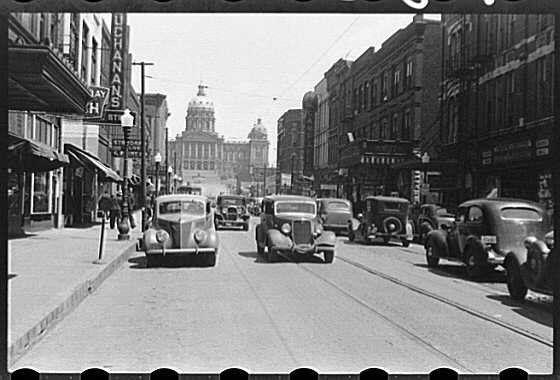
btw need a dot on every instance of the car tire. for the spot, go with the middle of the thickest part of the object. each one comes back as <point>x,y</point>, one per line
<point>271,256</point>
<point>386,240</point>
<point>351,236</point>
<point>152,261</point>
<point>260,250</point>
<point>405,243</point>
<point>328,256</point>
<point>431,257</point>
<point>516,286</point>
<point>472,269</point>
<point>246,227</point>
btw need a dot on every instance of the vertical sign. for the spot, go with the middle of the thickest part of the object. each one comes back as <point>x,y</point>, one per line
<point>118,53</point>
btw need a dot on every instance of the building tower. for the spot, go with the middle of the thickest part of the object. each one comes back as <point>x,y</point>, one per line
<point>200,112</point>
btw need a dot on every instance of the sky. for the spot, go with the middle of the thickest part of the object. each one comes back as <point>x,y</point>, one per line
<point>255,65</point>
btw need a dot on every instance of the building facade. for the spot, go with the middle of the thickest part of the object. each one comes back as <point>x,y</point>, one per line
<point>321,185</point>
<point>497,114</point>
<point>203,156</point>
<point>290,152</point>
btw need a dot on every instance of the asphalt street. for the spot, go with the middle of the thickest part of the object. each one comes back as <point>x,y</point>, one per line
<point>374,306</point>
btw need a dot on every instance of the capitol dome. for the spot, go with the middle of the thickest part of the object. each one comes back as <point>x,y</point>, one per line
<point>258,132</point>
<point>201,100</point>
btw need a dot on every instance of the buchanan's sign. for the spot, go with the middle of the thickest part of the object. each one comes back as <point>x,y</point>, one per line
<point>118,53</point>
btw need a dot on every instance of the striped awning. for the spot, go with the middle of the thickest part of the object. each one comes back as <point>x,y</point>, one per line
<point>85,159</point>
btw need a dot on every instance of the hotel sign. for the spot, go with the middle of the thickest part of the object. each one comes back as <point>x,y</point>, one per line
<point>118,54</point>
<point>95,106</point>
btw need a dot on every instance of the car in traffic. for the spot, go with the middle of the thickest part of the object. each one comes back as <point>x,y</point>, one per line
<point>335,214</point>
<point>290,227</point>
<point>231,211</point>
<point>430,217</point>
<point>181,225</point>
<point>531,268</point>
<point>485,231</point>
<point>384,218</point>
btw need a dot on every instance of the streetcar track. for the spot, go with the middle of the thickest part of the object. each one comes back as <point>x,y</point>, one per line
<point>411,335</point>
<point>449,302</point>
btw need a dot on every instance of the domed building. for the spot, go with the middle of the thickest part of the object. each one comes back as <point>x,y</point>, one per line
<point>204,157</point>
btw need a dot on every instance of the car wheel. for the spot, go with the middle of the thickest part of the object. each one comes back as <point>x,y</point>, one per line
<point>351,236</point>
<point>246,227</point>
<point>516,286</point>
<point>260,250</point>
<point>328,256</point>
<point>386,240</point>
<point>270,254</point>
<point>431,257</point>
<point>405,243</point>
<point>151,261</point>
<point>472,269</point>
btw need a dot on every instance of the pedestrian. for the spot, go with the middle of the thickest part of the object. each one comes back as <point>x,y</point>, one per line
<point>115,211</point>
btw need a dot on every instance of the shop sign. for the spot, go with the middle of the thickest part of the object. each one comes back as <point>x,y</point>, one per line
<point>285,179</point>
<point>545,192</point>
<point>96,105</point>
<point>118,53</point>
<point>541,147</point>
<point>513,151</point>
<point>119,152</point>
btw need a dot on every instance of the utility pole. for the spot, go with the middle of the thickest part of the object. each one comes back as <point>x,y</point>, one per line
<point>264,180</point>
<point>167,175</point>
<point>143,142</point>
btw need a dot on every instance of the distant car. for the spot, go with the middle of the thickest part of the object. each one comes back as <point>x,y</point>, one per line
<point>231,211</point>
<point>431,217</point>
<point>290,227</point>
<point>181,225</point>
<point>485,231</point>
<point>383,218</point>
<point>335,214</point>
<point>530,268</point>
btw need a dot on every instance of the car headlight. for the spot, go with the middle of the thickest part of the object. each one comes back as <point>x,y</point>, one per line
<point>286,228</point>
<point>549,240</point>
<point>199,236</point>
<point>224,209</point>
<point>162,236</point>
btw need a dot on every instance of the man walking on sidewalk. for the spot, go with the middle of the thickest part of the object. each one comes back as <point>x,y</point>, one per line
<point>115,212</point>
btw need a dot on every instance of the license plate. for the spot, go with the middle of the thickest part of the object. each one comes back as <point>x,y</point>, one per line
<point>228,224</point>
<point>488,239</point>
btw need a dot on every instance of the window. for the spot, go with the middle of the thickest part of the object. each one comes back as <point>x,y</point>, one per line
<point>43,132</point>
<point>395,127</point>
<point>409,74</point>
<point>385,87</point>
<point>384,133</point>
<point>396,81</point>
<point>74,40</point>
<point>520,213</point>
<point>475,215</point>
<point>41,185</point>
<point>85,37</point>
<point>367,98</point>
<point>374,94</point>
<point>93,61</point>
<point>406,125</point>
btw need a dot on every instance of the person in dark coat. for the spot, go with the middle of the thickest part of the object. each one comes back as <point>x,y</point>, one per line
<point>115,212</point>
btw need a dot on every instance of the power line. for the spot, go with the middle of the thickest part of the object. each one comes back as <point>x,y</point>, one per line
<point>322,55</point>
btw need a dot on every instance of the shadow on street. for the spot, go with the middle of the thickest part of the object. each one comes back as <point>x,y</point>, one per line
<point>458,271</point>
<point>140,262</point>
<point>528,309</point>
<point>313,259</point>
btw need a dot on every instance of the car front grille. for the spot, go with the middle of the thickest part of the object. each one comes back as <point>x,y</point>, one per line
<point>231,213</point>
<point>301,232</point>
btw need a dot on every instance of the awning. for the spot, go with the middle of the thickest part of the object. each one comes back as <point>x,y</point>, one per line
<point>417,164</point>
<point>80,157</point>
<point>32,156</point>
<point>40,80</point>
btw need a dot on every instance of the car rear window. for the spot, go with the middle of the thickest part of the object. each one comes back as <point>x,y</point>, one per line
<point>393,206</point>
<point>338,206</point>
<point>524,213</point>
<point>232,201</point>
<point>296,207</point>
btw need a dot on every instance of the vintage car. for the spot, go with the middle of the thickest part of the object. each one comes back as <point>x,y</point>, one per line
<point>484,232</point>
<point>335,214</point>
<point>181,225</point>
<point>231,211</point>
<point>430,217</point>
<point>530,268</point>
<point>383,217</point>
<point>290,227</point>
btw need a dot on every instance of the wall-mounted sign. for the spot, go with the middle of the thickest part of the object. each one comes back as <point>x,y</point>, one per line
<point>542,147</point>
<point>520,150</point>
<point>118,54</point>
<point>96,105</point>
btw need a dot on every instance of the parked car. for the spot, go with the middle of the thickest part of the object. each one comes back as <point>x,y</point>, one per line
<point>290,226</point>
<point>181,225</point>
<point>431,216</point>
<point>384,217</point>
<point>484,232</point>
<point>335,213</point>
<point>530,268</point>
<point>231,211</point>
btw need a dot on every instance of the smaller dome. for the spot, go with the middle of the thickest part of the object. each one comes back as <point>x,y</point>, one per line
<point>258,132</point>
<point>309,100</point>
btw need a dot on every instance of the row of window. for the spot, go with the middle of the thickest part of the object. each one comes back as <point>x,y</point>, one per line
<point>397,127</point>
<point>200,165</point>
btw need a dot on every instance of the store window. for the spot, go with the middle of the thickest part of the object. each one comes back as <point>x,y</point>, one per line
<point>41,189</point>
<point>43,131</point>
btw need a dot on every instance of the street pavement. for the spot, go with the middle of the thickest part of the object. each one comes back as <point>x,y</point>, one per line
<point>374,306</point>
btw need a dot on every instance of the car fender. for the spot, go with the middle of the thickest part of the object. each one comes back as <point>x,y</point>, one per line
<point>479,252</point>
<point>150,241</point>
<point>538,252</point>
<point>353,224</point>
<point>211,240</point>
<point>278,240</point>
<point>438,240</point>
<point>326,238</point>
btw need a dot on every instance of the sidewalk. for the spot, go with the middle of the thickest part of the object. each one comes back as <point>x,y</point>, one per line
<point>52,271</point>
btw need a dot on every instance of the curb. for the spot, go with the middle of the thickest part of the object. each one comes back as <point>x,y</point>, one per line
<point>80,292</point>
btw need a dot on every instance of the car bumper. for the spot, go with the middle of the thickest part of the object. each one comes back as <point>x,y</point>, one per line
<point>339,228</point>
<point>494,258</point>
<point>304,250</point>
<point>381,235</point>
<point>179,251</point>
<point>232,223</point>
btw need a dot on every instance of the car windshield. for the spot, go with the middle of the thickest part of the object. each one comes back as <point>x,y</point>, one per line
<point>192,207</point>
<point>338,206</point>
<point>295,207</point>
<point>443,212</point>
<point>232,202</point>
<point>392,206</point>
<point>521,213</point>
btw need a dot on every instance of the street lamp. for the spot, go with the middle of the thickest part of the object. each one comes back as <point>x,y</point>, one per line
<point>168,179</point>
<point>127,121</point>
<point>157,159</point>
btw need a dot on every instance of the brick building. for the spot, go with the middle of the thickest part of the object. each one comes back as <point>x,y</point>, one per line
<point>290,152</point>
<point>388,111</point>
<point>497,115</point>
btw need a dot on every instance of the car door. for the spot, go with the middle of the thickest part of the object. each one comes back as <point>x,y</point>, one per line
<point>473,225</point>
<point>453,235</point>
